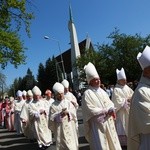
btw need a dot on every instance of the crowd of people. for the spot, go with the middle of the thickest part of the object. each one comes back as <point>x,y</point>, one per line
<point>112,118</point>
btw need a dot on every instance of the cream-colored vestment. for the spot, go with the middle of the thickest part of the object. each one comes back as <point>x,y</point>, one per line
<point>64,129</point>
<point>100,135</point>
<point>139,117</point>
<point>43,134</point>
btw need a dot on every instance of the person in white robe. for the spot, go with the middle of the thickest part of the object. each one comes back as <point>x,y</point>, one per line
<point>24,116</point>
<point>48,101</point>
<point>24,94</point>
<point>62,121</point>
<point>139,116</point>
<point>18,103</point>
<point>37,113</point>
<point>121,97</point>
<point>98,114</point>
<point>69,96</point>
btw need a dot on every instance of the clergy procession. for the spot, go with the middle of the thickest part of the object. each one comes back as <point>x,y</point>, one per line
<point>114,122</point>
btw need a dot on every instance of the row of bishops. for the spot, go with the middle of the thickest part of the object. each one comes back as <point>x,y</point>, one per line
<point>109,123</point>
<point>38,117</point>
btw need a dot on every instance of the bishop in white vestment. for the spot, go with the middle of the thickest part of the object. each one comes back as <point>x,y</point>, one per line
<point>37,112</point>
<point>98,114</point>
<point>121,97</point>
<point>139,116</point>
<point>62,121</point>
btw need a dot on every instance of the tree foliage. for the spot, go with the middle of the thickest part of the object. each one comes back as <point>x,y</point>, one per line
<point>47,74</point>
<point>121,52</point>
<point>2,84</point>
<point>13,15</point>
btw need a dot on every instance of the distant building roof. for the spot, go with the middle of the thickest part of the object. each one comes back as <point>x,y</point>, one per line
<point>67,56</point>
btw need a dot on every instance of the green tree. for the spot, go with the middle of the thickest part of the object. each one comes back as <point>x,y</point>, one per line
<point>120,52</point>
<point>47,75</point>
<point>13,15</point>
<point>2,84</point>
<point>41,77</point>
<point>51,72</point>
<point>28,82</point>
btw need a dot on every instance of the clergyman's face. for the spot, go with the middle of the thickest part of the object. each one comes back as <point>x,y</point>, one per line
<point>122,82</point>
<point>146,72</point>
<point>95,82</point>
<point>60,96</point>
<point>37,97</point>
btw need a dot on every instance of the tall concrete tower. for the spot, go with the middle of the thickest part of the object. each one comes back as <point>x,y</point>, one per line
<point>75,52</point>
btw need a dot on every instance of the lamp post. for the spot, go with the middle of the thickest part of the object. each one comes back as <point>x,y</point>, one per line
<point>62,62</point>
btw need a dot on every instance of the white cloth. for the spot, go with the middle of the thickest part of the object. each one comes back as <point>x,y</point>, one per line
<point>68,95</point>
<point>37,112</point>
<point>48,103</point>
<point>18,104</point>
<point>120,74</point>
<point>58,88</point>
<point>27,125</point>
<point>120,95</point>
<point>144,57</point>
<point>65,83</point>
<point>36,90</point>
<point>64,129</point>
<point>100,134</point>
<point>90,72</point>
<point>19,93</point>
<point>139,116</point>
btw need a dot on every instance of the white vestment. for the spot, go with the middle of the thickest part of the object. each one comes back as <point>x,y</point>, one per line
<point>28,124</point>
<point>120,95</point>
<point>48,104</point>
<point>139,117</point>
<point>68,95</point>
<point>65,131</point>
<point>100,135</point>
<point>17,109</point>
<point>43,134</point>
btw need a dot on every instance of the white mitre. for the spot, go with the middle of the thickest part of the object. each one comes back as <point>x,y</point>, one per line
<point>90,72</point>
<point>58,88</point>
<point>65,83</point>
<point>24,93</point>
<point>29,93</point>
<point>19,93</point>
<point>120,74</point>
<point>36,91</point>
<point>144,57</point>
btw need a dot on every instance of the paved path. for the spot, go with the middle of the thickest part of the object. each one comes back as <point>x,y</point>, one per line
<point>11,141</point>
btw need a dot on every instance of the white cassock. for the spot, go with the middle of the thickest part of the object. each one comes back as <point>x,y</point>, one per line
<point>17,110</point>
<point>28,125</point>
<point>139,117</point>
<point>120,95</point>
<point>48,104</point>
<point>42,133</point>
<point>64,128</point>
<point>69,96</point>
<point>100,130</point>
<point>72,98</point>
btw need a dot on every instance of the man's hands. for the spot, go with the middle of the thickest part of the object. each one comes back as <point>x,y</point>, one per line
<point>42,111</point>
<point>64,112</point>
<point>111,112</point>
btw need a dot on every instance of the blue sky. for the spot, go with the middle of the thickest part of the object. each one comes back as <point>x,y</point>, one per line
<point>97,18</point>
